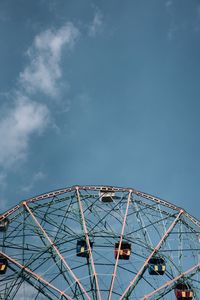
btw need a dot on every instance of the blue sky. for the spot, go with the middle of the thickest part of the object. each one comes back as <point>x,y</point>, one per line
<point>100,92</point>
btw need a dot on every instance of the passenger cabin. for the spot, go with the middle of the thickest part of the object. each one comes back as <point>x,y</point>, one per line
<point>3,265</point>
<point>106,196</point>
<point>156,266</point>
<point>124,251</point>
<point>4,224</point>
<point>82,248</point>
<point>183,291</point>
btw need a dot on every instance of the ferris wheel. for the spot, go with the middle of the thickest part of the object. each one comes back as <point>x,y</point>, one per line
<point>99,243</point>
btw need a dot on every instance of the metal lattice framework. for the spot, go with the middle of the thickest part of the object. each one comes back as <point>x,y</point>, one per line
<point>40,246</point>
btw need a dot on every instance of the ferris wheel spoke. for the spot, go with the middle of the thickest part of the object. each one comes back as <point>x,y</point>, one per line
<point>144,230</point>
<point>57,252</point>
<point>138,276</point>
<point>40,239</point>
<point>169,284</point>
<point>120,243</point>
<point>59,268</point>
<point>35,275</point>
<point>88,243</point>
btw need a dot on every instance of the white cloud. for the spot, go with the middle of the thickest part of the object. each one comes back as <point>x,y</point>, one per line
<point>43,72</point>
<point>25,119</point>
<point>96,24</point>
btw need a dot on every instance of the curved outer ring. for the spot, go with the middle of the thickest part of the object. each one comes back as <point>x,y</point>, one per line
<point>100,188</point>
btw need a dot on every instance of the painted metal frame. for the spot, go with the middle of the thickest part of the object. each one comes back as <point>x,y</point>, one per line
<point>76,203</point>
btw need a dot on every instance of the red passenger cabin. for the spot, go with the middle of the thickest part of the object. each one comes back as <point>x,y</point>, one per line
<point>124,251</point>
<point>183,291</point>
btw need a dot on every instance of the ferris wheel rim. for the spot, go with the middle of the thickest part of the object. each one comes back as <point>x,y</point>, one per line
<point>177,212</point>
<point>57,192</point>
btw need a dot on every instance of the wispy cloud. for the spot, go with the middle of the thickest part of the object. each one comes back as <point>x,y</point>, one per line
<point>173,30</point>
<point>25,119</point>
<point>96,24</point>
<point>2,204</point>
<point>184,25</point>
<point>2,179</point>
<point>43,72</point>
<point>38,176</point>
<point>168,3</point>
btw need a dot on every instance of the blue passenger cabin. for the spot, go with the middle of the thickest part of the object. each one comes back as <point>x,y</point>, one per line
<point>3,265</point>
<point>156,266</point>
<point>82,248</point>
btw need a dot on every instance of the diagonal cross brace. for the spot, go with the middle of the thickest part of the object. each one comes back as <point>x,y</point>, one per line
<point>167,284</point>
<point>57,252</point>
<point>138,276</point>
<point>88,243</point>
<point>120,243</point>
<point>35,275</point>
